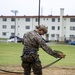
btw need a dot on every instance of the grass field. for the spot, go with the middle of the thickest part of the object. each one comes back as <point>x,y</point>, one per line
<point>10,54</point>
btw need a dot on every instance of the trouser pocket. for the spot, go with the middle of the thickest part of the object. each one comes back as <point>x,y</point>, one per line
<point>27,58</point>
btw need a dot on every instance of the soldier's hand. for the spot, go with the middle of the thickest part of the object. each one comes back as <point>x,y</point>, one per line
<point>59,54</point>
<point>62,55</point>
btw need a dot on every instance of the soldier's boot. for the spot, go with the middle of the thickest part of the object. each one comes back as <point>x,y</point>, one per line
<point>26,73</point>
<point>38,74</point>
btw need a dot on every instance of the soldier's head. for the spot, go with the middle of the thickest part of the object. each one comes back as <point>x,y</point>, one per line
<point>42,29</point>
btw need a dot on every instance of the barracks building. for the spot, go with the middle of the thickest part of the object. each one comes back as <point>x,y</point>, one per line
<point>59,27</point>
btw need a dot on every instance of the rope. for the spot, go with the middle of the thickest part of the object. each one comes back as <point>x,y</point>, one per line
<point>32,71</point>
<point>10,71</point>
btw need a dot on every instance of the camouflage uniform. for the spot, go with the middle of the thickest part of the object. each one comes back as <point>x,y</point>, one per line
<point>30,58</point>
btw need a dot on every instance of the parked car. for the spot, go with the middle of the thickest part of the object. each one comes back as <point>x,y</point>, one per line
<point>72,43</point>
<point>12,39</point>
<point>67,41</point>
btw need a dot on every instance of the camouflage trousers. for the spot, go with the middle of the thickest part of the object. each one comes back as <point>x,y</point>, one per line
<point>31,61</point>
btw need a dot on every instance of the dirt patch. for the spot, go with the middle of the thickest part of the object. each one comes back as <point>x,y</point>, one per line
<point>47,71</point>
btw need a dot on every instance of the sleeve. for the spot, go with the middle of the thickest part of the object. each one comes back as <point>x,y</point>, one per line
<point>23,39</point>
<point>46,48</point>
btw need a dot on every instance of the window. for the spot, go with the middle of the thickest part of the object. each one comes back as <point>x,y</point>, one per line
<point>58,27</point>
<point>27,19</point>
<point>4,33</point>
<point>53,19</point>
<point>72,28</point>
<point>12,26</point>
<point>58,19</point>
<point>12,19</point>
<point>52,35</point>
<point>4,19</point>
<point>44,19</point>
<point>12,34</point>
<point>72,19</point>
<point>36,19</point>
<point>4,26</point>
<point>27,27</point>
<point>47,18</point>
<point>72,36</point>
<point>53,27</point>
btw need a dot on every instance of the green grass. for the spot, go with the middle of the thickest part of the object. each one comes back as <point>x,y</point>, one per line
<point>69,60</point>
<point>10,54</point>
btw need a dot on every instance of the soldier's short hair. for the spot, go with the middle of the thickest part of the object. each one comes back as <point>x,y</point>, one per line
<point>42,27</point>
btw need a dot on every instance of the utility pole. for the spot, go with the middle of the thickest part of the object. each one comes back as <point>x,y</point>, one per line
<point>15,30</point>
<point>39,14</point>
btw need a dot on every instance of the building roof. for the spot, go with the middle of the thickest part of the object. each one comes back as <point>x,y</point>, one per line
<point>49,16</point>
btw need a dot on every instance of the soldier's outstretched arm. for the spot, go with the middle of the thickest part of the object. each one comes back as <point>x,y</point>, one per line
<point>47,49</point>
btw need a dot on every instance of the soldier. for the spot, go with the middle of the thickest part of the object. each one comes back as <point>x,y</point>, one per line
<point>30,57</point>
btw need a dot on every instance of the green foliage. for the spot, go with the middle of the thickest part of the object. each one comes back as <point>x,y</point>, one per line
<point>10,54</point>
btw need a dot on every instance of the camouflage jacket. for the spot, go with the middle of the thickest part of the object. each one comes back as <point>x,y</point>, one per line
<point>32,40</point>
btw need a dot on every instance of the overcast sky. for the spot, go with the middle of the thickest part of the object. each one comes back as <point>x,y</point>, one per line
<point>30,7</point>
